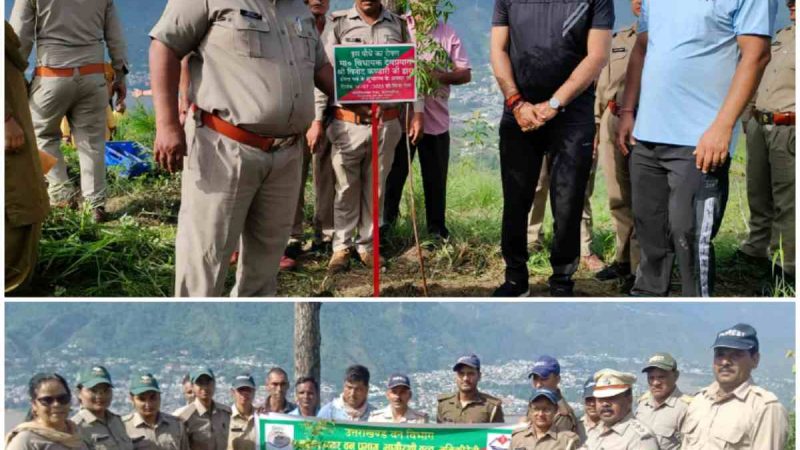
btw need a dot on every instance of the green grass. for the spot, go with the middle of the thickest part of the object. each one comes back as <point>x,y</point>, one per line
<point>133,254</point>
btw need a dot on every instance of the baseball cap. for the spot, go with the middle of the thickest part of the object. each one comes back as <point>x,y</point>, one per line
<point>195,374</point>
<point>143,382</point>
<point>243,380</point>
<point>547,393</point>
<point>544,366</point>
<point>588,387</point>
<point>93,376</point>
<point>468,360</point>
<point>610,382</point>
<point>398,379</point>
<point>661,360</point>
<point>740,336</point>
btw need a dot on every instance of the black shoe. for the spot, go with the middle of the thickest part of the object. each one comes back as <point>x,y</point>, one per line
<point>293,250</point>
<point>626,284</point>
<point>614,271</point>
<point>512,289</point>
<point>561,290</point>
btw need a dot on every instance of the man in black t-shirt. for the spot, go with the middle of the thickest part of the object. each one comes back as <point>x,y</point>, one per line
<point>546,56</point>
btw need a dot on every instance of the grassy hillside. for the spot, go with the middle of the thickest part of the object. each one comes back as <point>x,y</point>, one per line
<point>133,255</point>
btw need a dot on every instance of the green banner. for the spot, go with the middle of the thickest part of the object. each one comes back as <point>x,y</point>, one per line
<point>284,432</point>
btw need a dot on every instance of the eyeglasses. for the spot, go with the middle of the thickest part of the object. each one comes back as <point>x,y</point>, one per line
<point>48,400</point>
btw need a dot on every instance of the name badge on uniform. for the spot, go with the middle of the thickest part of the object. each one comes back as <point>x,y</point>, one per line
<point>237,429</point>
<point>347,39</point>
<point>298,25</point>
<point>251,14</point>
<point>618,50</point>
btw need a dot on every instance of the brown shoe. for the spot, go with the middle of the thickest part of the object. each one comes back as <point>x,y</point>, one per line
<point>366,259</point>
<point>340,261</point>
<point>99,214</point>
<point>592,262</point>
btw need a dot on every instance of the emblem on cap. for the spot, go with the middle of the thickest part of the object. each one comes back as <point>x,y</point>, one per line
<point>657,358</point>
<point>147,379</point>
<point>98,371</point>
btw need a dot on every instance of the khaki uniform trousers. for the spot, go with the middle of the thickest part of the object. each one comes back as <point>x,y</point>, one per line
<point>618,185</point>
<point>322,173</point>
<point>770,191</point>
<point>351,156</point>
<point>230,190</point>
<point>536,217</point>
<point>22,247</point>
<point>83,99</point>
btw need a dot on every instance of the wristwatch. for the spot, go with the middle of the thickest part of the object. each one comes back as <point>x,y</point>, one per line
<point>554,103</point>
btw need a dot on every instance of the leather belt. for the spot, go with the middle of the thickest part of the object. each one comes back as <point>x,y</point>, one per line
<point>614,107</point>
<point>229,130</point>
<point>352,117</point>
<point>44,71</point>
<point>773,118</point>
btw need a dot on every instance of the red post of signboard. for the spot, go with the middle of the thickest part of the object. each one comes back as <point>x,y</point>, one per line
<point>376,207</point>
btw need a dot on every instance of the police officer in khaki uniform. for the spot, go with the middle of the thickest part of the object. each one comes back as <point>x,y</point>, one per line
<point>770,156</point>
<point>608,98</point>
<point>733,413</point>
<point>69,81</point>
<point>398,392</point>
<point>26,203</point>
<point>546,374</point>
<point>146,425</point>
<point>663,407</point>
<point>253,68</point>
<point>242,435</point>
<point>620,430</point>
<point>467,404</point>
<point>542,433</point>
<point>97,425</point>
<point>590,423</point>
<point>206,421</point>
<point>350,134</point>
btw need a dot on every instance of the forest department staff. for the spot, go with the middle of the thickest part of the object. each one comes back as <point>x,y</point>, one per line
<point>398,392</point>
<point>541,433</point>
<point>614,163</point>
<point>468,404</point>
<point>68,80</point>
<point>97,425</point>
<point>242,433</point>
<point>590,423</point>
<point>146,425</point>
<point>663,407</point>
<point>733,413</point>
<point>546,374</point>
<point>206,421</point>
<point>253,71</point>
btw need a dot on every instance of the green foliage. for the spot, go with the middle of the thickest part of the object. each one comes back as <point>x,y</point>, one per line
<point>431,56</point>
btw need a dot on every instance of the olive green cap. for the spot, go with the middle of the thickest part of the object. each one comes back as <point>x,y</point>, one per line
<point>195,374</point>
<point>93,376</point>
<point>661,360</point>
<point>144,382</point>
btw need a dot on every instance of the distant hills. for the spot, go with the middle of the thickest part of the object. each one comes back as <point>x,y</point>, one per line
<point>389,336</point>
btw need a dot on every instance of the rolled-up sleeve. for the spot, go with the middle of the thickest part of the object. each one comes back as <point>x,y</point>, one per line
<point>183,25</point>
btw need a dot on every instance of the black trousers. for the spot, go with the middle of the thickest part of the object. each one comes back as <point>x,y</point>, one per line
<point>521,156</point>
<point>434,157</point>
<point>677,211</point>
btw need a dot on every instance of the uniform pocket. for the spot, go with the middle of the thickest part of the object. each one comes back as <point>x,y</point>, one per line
<point>304,42</point>
<point>251,37</point>
<point>732,435</point>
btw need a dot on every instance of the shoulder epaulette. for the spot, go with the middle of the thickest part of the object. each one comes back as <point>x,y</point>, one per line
<point>221,407</point>
<point>339,14</point>
<point>127,417</point>
<point>168,417</point>
<point>490,398</point>
<point>766,395</point>
<point>645,396</point>
<point>443,397</point>
<point>687,399</point>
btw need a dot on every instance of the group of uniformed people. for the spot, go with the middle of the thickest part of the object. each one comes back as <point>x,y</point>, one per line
<point>731,413</point>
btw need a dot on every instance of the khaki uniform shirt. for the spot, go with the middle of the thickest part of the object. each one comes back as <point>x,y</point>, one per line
<point>242,435</point>
<point>665,419</point>
<point>776,91</point>
<point>168,433</point>
<point>254,60</point>
<point>28,440</point>
<point>526,439</point>
<point>385,415</point>
<point>106,434</point>
<point>207,429</point>
<point>627,434</point>
<point>70,33</point>
<point>26,194</point>
<point>749,418</point>
<point>321,101</point>
<point>565,419</point>
<point>611,82</point>
<point>486,409</point>
<point>587,429</point>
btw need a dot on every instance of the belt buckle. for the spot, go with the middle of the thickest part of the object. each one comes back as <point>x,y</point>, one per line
<point>766,118</point>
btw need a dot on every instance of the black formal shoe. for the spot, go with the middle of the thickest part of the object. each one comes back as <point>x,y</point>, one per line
<point>512,289</point>
<point>614,271</point>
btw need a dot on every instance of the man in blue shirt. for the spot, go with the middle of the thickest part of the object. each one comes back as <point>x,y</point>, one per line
<point>696,64</point>
<point>546,55</point>
<point>352,405</point>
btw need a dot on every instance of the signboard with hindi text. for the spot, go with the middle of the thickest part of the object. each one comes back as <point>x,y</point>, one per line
<point>285,432</point>
<point>374,73</point>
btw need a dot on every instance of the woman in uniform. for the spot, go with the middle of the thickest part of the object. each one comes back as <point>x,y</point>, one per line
<point>103,429</point>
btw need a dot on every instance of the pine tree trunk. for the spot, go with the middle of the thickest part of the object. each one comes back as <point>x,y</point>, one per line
<point>307,340</point>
